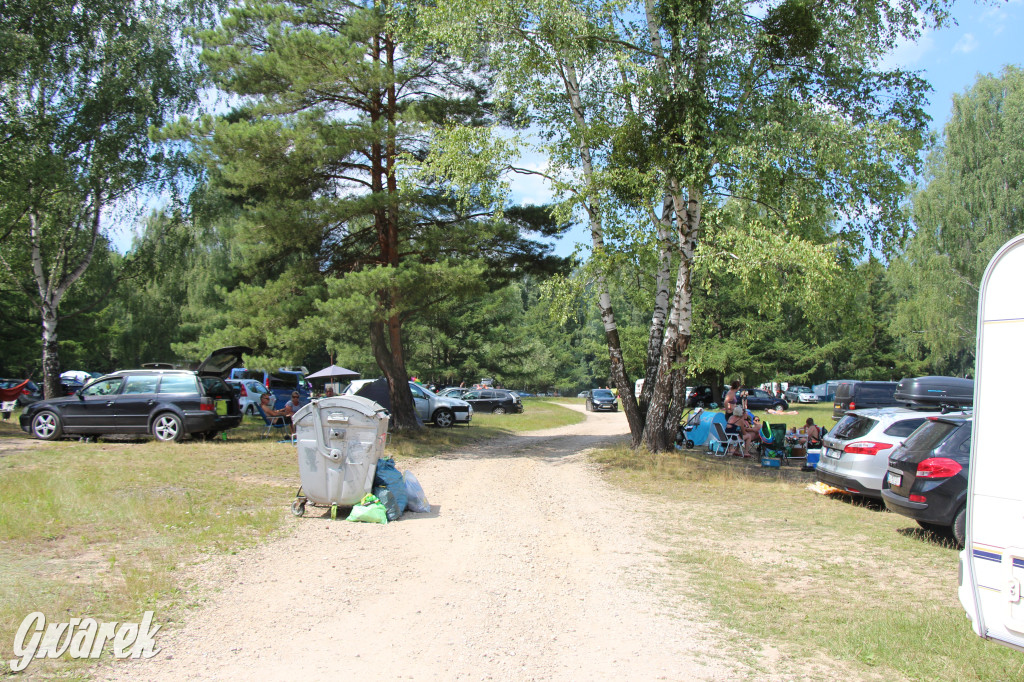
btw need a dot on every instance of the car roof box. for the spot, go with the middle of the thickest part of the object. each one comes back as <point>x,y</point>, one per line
<point>934,392</point>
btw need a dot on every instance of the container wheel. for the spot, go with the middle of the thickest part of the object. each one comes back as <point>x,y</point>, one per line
<point>299,508</point>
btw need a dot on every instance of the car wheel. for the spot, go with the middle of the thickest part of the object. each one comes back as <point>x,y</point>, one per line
<point>498,410</point>
<point>46,426</point>
<point>444,419</point>
<point>960,527</point>
<point>167,427</point>
<point>250,410</point>
<point>778,406</point>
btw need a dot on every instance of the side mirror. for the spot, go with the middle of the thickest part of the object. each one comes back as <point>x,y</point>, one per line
<point>79,394</point>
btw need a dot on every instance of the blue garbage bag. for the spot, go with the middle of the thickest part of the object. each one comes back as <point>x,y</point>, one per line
<point>388,476</point>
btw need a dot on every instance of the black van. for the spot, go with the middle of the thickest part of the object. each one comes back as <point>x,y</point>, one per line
<point>855,395</point>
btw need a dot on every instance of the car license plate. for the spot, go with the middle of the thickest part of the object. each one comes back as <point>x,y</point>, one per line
<point>895,480</point>
<point>834,454</point>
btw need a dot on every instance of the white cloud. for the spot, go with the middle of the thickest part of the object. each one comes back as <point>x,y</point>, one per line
<point>967,44</point>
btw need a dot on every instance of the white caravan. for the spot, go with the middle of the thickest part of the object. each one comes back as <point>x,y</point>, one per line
<point>992,562</point>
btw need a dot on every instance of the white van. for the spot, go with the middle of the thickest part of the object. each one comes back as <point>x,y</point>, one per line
<point>992,562</point>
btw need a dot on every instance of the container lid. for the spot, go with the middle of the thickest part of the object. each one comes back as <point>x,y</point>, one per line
<point>353,403</point>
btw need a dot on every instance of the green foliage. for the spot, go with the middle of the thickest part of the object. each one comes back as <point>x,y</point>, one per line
<point>968,207</point>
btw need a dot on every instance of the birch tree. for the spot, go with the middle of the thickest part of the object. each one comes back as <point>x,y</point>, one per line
<point>655,114</point>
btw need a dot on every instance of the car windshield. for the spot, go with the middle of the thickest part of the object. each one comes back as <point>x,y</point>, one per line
<point>853,426</point>
<point>929,435</point>
<point>603,393</point>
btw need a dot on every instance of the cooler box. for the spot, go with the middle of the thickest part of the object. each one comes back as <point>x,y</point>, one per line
<point>339,440</point>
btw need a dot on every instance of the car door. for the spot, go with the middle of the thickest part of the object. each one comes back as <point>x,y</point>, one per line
<point>421,401</point>
<point>136,401</point>
<point>95,408</point>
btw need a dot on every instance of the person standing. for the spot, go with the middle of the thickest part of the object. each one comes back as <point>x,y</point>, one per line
<point>731,399</point>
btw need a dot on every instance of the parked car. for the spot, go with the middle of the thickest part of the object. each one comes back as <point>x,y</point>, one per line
<point>700,396</point>
<point>800,394</point>
<point>601,400</point>
<point>442,411</point>
<point>281,383</point>
<point>854,454</point>
<point>854,395</point>
<point>524,394</point>
<point>927,477</point>
<point>249,392</point>
<point>760,399</point>
<point>169,404</point>
<point>581,394</point>
<point>30,393</point>
<point>494,400</point>
<point>454,392</point>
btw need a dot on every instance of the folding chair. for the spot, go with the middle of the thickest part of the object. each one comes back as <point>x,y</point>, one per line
<point>723,440</point>
<point>773,440</point>
<point>272,423</point>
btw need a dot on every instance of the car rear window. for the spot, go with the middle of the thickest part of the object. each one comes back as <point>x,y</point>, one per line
<point>178,383</point>
<point>930,435</point>
<point>843,391</point>
<point>853,426</point>
<point>876,392</point>
<point>902,429</point>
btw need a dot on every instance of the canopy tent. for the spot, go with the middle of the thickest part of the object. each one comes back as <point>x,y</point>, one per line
<point>334,372</point>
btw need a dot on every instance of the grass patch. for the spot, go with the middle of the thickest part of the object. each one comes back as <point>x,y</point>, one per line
<point>537,414</point>
<point>104,529</point>
<point>834,585</point>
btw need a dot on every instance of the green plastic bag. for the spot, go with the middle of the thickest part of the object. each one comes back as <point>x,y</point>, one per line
<point>369,510</point>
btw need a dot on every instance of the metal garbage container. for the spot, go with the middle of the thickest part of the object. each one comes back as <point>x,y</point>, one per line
<point>339,440</point>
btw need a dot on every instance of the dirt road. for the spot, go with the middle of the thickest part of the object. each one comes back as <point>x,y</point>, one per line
<point>528,567</point>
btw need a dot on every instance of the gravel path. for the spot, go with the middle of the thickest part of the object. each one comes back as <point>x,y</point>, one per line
<point>528,567</point>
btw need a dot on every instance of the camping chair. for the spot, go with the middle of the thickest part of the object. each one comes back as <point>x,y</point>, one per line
<point>773,440</point>
<point>723,440</point>
<point>278,422</point>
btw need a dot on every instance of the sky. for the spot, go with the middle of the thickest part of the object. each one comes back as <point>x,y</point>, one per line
<point>981,39</point>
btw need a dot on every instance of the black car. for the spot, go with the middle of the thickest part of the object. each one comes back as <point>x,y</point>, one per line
<point>493,400</point>
<point>927,477</point>
<point>858,395</point>
<point>601,400</point>
<point>700,396</point>
<point>759,399</point>
<point>169,404</point>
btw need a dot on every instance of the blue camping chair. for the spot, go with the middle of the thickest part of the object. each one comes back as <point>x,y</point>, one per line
<point>278,422</point>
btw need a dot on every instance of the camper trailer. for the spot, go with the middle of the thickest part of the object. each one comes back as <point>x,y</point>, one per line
<point>992,562</point>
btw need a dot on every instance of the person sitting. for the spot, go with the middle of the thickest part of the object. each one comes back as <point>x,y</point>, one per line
<point>329,392</point>
<point>741,423</point>
<point>267,409</point>
<point>289,410</point>
<point>812,433</point>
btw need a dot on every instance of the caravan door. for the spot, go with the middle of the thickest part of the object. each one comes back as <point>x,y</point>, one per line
<point>992,562</point>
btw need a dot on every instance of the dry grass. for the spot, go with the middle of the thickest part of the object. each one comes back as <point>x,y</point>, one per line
<point>840,588</point>
<point>105,529</point>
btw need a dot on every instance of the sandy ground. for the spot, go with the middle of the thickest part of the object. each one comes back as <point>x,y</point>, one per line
<point>529,567</point>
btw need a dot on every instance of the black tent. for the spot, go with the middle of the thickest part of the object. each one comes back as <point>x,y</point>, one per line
<point>378,392</point>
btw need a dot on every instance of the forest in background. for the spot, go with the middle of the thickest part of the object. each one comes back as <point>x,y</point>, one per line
<point>280,215</point>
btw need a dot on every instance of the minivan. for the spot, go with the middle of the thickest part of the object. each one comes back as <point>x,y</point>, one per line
<point>857,395</point>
